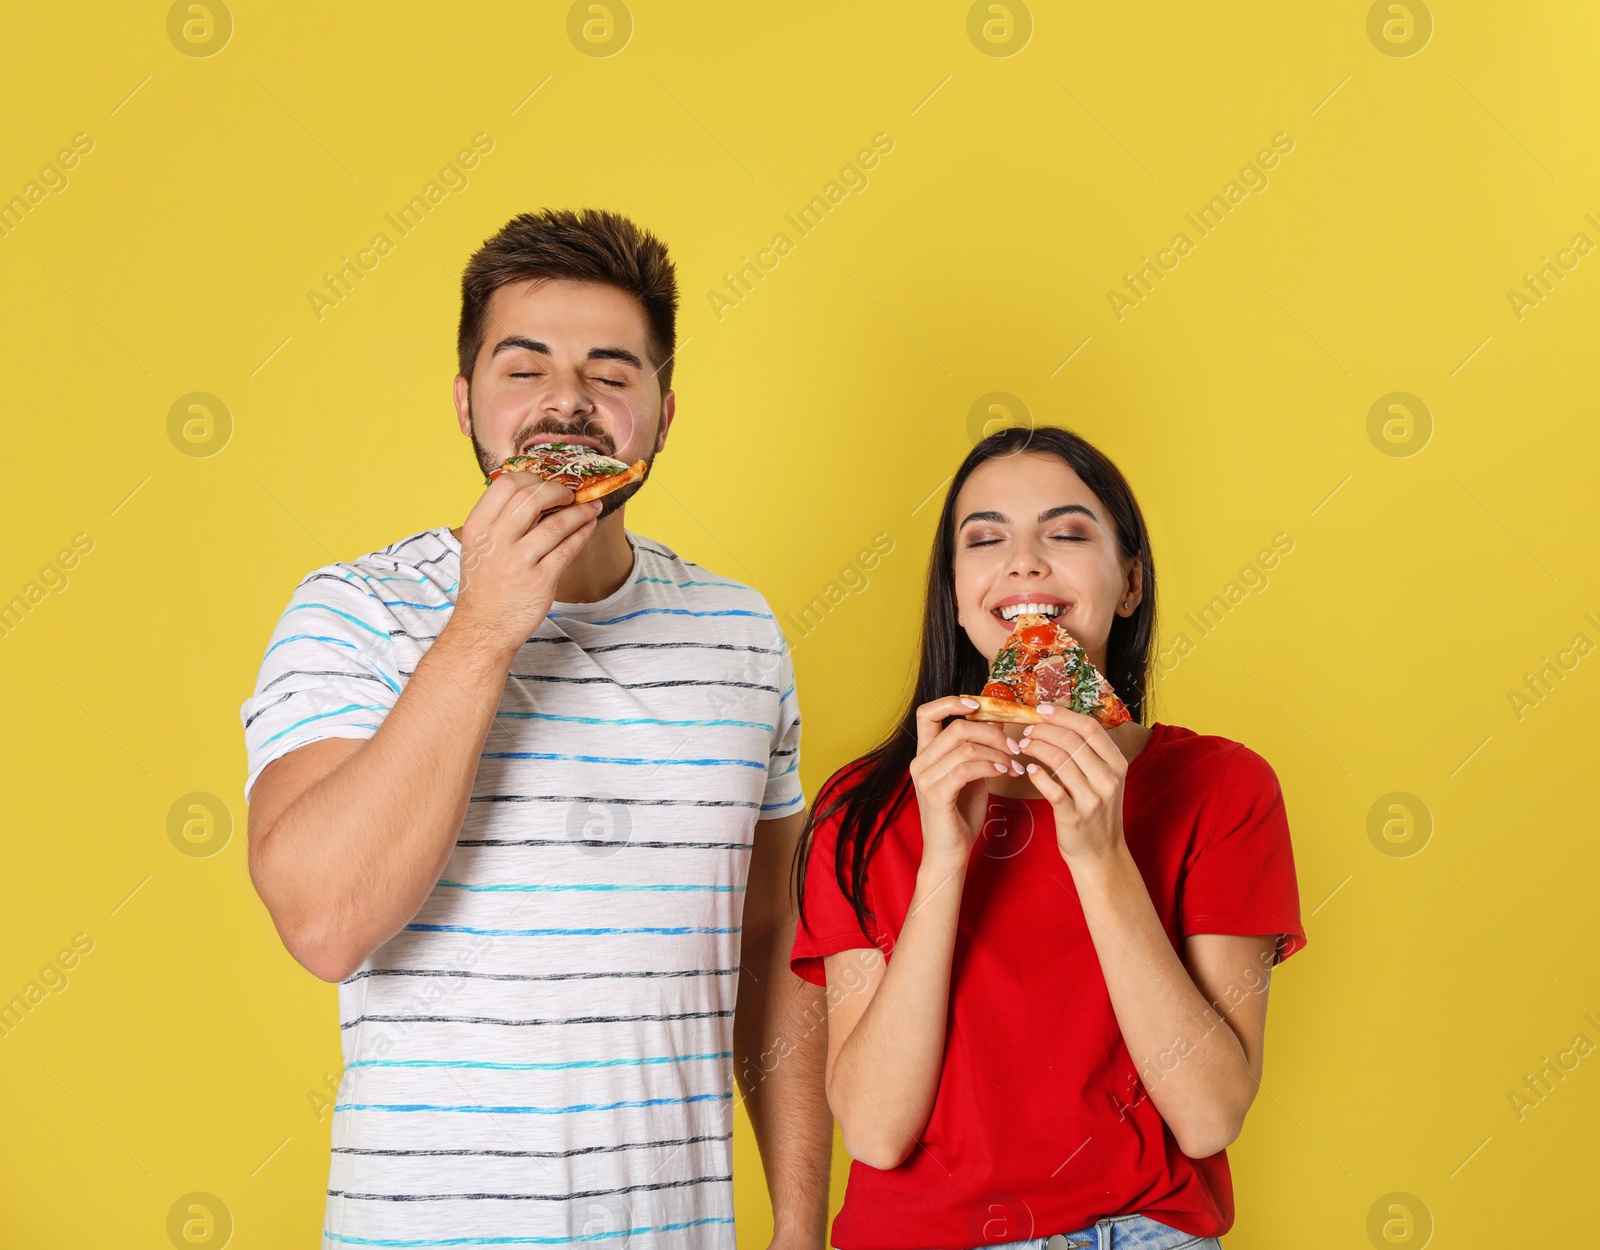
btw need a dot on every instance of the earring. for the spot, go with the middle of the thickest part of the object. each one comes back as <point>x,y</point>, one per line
<point>1125,603</point>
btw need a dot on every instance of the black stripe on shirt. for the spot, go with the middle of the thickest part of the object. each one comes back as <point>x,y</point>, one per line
<point>676,1015</point>
<point>586,798</point>
<point>392,1153</point>
<point>651,646</point>
<point>406,542</point>
<point>577,1194</point>
<point>615,845</point>
<point>632,685</point>
<point>321,672</point>
<point>262,711</point>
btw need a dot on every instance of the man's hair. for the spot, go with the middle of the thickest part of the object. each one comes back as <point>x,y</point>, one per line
<point>590,245</point>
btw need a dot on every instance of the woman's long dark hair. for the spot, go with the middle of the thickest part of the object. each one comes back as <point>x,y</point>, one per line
<point>870,791</point>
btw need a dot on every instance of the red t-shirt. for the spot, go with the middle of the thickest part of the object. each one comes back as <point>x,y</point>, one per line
<point>1035,1068</point>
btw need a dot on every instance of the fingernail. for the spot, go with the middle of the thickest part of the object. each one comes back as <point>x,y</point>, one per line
<point>1026,730</point>
<point>1033,768</point>
<point>969,702</point>
<point>1013,745</point>
<point>1047,708</point>
<point>1017,766</point>
<point>596,504</point>
<point>999,767</point>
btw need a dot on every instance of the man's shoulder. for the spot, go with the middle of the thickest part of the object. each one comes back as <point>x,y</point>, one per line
<point>413,575</point>
<point>425,549</point>
<point>661,566</point>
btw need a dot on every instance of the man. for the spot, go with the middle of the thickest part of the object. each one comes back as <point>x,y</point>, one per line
<point>527,789</point>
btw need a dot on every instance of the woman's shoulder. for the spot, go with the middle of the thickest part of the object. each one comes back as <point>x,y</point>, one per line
<point>1180,750</point>
<point>843,780</point>
<point>844,790</point>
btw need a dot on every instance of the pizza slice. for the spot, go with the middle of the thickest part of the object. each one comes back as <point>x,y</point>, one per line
<point>587,472</point>
<point>1042,663</point>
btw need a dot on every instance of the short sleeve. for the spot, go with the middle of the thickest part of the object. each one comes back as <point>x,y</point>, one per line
<point>783,795</point>
<point>827,922</point>
<point>329,670</point>
<point>1242,881</point>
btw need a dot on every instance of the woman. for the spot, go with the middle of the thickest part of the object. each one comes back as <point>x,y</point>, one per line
<point>1046,948</point>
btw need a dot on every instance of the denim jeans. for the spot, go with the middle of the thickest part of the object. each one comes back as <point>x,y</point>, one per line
<point>1116,1232</point>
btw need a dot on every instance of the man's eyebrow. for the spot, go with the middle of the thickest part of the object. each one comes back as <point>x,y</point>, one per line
<point>517,342</point>
<point>616,353</point>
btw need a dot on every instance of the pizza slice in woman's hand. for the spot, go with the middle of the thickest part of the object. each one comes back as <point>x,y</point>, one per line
<point>1042,663</point>
<point>586,471</point>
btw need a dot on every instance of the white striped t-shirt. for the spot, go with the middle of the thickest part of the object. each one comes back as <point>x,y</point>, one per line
<point>543,1056</point>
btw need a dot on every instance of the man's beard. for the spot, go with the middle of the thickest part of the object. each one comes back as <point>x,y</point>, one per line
<point>609,503</point>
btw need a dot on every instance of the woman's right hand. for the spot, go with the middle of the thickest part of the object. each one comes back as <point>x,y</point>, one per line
<point>951,773</point>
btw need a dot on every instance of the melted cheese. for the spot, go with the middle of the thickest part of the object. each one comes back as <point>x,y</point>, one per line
<point>551,459</point>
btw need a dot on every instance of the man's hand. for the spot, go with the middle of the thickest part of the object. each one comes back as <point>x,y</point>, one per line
<point>515,544</point>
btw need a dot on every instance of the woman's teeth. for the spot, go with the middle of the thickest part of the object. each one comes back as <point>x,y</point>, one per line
<point>1015,610</point>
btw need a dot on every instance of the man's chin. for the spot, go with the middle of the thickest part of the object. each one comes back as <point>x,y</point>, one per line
<point>613,502</point>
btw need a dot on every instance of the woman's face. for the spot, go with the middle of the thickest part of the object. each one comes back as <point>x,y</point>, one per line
<point>1028,531</point>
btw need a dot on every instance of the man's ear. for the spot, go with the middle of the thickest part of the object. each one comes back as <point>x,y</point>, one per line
<point>459,393</point>
<point>669,406</point>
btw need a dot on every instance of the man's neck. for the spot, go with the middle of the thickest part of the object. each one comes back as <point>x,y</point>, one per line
<point>600,569</point>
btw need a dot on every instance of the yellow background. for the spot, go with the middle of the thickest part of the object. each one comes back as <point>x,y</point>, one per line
<point>1419,591</point>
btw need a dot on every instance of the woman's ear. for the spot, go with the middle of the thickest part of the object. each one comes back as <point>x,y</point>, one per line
<point>1135,587</point>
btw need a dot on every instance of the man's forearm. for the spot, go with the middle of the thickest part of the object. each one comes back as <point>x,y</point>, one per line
<point>780,1045</point>
<point>354,857</point>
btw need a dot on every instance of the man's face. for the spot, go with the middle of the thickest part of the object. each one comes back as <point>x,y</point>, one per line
<point>565,362</point>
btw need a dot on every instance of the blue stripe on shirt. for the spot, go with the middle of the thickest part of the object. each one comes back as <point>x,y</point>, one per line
<point>673,931</point>
<point>323,607</point>
<point>473,1108</point>
<point>523,1241</point>
<point>349,707</point>
<point>615,759</point>
<point>536,1067</point>
<point>314,638</point>
<point>534,889</point>
<point>667,581</point>
<point>634,720</point>
<point>628,616</point>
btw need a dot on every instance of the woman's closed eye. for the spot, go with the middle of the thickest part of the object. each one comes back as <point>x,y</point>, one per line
<point>1069,538</point>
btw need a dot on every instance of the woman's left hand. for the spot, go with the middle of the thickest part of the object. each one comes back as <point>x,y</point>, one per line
<point>1080,771</point>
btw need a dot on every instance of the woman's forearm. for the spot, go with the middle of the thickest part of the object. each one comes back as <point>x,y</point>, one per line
<point>886,1074</point>
<point>1162,1013</point>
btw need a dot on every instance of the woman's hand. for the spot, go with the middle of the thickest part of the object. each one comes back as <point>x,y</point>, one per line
<point>1080,771</point>
<point>950,772</point>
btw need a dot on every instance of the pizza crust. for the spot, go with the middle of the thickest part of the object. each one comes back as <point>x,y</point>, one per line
<point>606,485</point>
<point>1004,710</point>
<point>600,486</point>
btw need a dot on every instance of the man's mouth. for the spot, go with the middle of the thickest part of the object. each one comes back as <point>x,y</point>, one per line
<point>572,440</point>
<point>1008,609</point>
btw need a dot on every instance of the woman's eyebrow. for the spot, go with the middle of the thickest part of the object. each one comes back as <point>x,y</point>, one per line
<point>1050,514</point>
<point>982,516</point>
